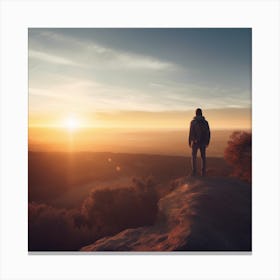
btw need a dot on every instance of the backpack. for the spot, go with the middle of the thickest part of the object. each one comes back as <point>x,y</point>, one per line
<point>201,132</point>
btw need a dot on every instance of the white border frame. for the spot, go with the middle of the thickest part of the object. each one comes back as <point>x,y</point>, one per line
<point>17,16</point>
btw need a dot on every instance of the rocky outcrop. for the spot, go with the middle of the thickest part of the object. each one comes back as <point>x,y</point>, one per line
<point>198,215</point>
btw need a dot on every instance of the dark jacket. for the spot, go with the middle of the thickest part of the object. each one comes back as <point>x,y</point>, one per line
<point>193,134</point>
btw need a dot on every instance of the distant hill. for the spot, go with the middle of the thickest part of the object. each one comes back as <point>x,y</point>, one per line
<point>211,214</point>
<point>152,141</point>
<point>64,179</point>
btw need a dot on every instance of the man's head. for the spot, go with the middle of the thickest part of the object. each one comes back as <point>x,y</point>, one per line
<point>198,112</point>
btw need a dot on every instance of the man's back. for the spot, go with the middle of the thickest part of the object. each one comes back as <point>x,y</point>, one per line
<point>199,131</point>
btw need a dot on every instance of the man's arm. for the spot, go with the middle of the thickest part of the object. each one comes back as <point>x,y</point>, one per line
<point>190,134</point>
<point>209,134</point>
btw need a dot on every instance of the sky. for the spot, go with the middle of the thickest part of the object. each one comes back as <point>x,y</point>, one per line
<point>139,77</point>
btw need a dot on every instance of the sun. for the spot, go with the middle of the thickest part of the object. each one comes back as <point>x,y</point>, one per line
<point>71,123</point>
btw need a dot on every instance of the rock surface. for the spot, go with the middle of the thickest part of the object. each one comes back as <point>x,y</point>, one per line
<point>197,215</point>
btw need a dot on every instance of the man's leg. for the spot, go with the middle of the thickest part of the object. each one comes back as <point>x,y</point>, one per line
<point>194,159</point>
<point>203,159</point>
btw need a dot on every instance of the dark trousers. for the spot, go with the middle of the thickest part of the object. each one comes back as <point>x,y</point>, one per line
<point>202,149</point>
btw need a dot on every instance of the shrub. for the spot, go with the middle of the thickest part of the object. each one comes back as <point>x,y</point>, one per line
<point>239,154</point>
<point>104,212</point>
<point>112,210</point>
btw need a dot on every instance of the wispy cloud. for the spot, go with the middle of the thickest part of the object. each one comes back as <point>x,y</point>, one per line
<point>92,55</point>
<point>132,61</point>
<point>84,74</point>
<point>50,58</point>
<point>90,95</point>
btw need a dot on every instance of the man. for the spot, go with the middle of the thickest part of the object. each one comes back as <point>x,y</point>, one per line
<point>199,138</point>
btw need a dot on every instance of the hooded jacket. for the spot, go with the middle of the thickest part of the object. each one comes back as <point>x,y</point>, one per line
<point>193,135</point>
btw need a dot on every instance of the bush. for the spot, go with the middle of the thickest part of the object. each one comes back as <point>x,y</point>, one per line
<point>104,212</point>
<point>112,210</point>
<point>239,154</point>
<point>53,229</point>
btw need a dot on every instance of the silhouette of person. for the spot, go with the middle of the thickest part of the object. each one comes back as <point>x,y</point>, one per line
<point>199,139</point>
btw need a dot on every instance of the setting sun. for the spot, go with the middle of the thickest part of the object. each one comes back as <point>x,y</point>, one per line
<point>71,123</point>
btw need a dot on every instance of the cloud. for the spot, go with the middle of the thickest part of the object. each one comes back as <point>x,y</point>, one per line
<point>91,54</point>
<point>100,78</point>
<point>50,58</point>
<point>131,61</point>
<point>114,105</point>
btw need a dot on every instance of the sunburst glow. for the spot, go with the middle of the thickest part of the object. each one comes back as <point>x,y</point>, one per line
<point>71,123</point>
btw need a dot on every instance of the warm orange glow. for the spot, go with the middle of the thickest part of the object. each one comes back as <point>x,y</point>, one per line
<point>227,118</point>
<point>131,131</point>
<point>169,142</point>
<point>71,123</point>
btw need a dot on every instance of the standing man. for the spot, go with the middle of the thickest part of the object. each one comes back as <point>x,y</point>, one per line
<point>199,138</point>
